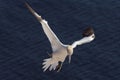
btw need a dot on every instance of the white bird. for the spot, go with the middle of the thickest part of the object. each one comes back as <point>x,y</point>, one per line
<point>60,50</point>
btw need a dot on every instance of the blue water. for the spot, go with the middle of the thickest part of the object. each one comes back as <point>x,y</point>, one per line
<point>23,44</point>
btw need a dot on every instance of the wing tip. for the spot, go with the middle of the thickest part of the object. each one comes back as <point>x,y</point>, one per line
<point>88,31</point>
<point>39,18</point>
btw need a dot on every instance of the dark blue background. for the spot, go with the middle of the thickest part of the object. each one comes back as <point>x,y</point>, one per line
<point>23,44</point>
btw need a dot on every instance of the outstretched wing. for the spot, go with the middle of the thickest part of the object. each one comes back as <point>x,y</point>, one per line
<point>88,36</point>
<point>83,41</point>
<point>55,42</point>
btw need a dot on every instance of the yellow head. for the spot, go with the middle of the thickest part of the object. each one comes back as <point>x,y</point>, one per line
<point>70,52</point>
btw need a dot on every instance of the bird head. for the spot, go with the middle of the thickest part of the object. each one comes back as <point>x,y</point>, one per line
<point>70,52</point>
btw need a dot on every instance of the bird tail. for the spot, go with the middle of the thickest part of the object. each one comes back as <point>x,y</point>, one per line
<point>49,63</point>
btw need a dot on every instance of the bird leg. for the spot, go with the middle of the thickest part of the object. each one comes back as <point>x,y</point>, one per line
<point>58,68</point>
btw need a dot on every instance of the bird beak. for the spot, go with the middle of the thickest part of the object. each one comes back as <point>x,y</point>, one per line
<point>69,58</point>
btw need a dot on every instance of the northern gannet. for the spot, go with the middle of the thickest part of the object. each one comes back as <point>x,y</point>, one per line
<point>60,50</point>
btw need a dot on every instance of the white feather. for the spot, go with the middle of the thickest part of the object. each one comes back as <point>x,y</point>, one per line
<point>49,63</point>
<point>83,41</point>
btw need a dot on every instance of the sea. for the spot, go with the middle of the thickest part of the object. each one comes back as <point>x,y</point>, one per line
<point>23,44</point>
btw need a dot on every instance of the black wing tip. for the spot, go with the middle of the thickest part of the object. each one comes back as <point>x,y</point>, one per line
<point>26,2</point>
<point>88,31</point>
<point>38,17</point>
<point>27,5</point>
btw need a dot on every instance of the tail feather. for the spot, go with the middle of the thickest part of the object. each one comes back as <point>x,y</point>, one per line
<point>50,68</point>
<point>53,66</point>
<point>49,63</point>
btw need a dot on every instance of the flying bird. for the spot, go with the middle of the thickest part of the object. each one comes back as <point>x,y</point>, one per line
<point>59,50</point>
